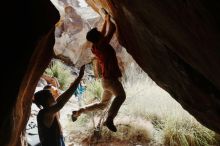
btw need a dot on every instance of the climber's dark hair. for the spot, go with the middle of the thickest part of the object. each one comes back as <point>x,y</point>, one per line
<point>48,86</point>
<point>41,97</point>
<point>93,35</point>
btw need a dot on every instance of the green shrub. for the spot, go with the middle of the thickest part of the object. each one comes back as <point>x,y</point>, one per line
<point>93,91</point>
<point>61,72</point>
<point>186,131</point>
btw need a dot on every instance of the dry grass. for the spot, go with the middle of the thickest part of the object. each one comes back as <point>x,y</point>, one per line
<point>149,116</point>
<point>173,125</point>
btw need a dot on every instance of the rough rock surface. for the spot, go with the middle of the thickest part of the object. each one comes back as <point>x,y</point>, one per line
<point>71,44</point>
<point>175,42</point>
<point>71,30</point>
<point>31,54</point>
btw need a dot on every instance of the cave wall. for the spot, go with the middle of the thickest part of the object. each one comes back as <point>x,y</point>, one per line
<point>28,40</point>
<point>71,45</point>
<point>177,44</point>
<point>70,37</point>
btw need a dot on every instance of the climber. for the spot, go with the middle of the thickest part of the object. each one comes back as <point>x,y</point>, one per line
<point>106,56</point>
<point>49,127</point>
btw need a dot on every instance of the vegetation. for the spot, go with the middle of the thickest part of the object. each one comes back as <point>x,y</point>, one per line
<point>93,91</point>
<point>173,126</point>
<point>186,132</point>
<point>61,72</point>
<point>149,116</point>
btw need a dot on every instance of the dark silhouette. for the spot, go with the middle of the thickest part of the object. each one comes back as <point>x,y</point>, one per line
<point>106,56</point>
<point>49,127</point>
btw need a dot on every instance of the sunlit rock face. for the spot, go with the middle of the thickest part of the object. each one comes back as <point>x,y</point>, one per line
<point>177,44</point>
<point>76,21</point>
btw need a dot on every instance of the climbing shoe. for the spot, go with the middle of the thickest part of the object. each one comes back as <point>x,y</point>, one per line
<point>110,125</point>
<point>74,115</point>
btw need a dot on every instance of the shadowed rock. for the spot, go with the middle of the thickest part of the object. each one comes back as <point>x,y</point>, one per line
<point>175,42</point>
<point>177,45</point>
